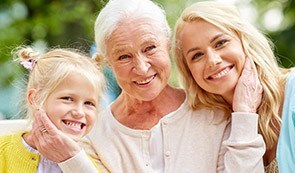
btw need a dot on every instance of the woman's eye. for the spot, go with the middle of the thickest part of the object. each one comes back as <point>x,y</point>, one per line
<point>149,48</point>
<point>220,43</point>
<point>197,55</point>
<point>67,98</point>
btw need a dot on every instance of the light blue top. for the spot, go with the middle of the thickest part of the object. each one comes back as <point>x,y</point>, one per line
<point>286,143</point>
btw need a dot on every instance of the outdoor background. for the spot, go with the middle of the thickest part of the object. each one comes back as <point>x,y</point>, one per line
<point>69,23</point>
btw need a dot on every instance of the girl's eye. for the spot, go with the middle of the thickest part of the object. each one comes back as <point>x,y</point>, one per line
<point>149,48</point>
<point>197,55</point>
<point>67,98</point>
<point>220,43</point>
<point>89,103</point>
<point>122,57</point>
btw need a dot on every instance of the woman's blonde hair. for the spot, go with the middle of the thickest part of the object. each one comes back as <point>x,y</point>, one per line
<point>256,46</point>
<point>49,70</point>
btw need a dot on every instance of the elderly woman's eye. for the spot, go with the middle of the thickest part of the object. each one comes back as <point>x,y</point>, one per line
<point>122,57</point>
<point>149,48</point>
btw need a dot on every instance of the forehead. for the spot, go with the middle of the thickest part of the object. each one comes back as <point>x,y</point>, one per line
<point>201,28</point>
<point>134,32</point>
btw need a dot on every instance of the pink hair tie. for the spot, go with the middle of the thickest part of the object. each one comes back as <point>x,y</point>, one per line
<point>29,65</point>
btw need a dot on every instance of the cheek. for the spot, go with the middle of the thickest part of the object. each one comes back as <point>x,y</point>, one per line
<point>91,118</point>
<point>92,114</point>
<point>121,72</point>
<point>197,72</point>
<point>162,61</point>
<point>55,113</point>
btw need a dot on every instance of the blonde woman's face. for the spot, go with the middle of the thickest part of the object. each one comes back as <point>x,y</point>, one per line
<point>72,106</point>
<point>214,58</point>
<point>138,53</point>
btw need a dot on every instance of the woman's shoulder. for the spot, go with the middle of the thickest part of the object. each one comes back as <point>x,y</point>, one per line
<point>290,80</point>
<point>291,75</point>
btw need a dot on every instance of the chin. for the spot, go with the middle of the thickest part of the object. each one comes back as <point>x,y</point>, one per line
<point>76,138</point>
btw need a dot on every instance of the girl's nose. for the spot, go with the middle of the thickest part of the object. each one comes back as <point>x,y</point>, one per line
<point>78,112</point>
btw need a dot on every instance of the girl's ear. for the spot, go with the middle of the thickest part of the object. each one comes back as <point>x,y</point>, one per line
<point>31,98</point>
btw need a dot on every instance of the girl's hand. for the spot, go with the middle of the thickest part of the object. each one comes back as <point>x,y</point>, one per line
<point>52,143</point>
<point>248,91</point>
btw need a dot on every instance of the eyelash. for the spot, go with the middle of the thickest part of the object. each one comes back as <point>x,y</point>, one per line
<point>221,43</point>
<point>122,57</point>
<point>90,103</point>
<point>197,54</point>
<point>67,98</point>
<point>149,48</point>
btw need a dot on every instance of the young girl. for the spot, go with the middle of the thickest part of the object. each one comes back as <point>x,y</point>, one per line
<point>67,86</point>
<point>215,49</point>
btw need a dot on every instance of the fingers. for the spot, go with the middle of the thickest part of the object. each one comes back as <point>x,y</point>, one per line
<point>46,122</point>
<point>247,67</point>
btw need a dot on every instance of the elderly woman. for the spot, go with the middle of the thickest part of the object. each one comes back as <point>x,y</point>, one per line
<point>150,127</point>
<point>212,44</point>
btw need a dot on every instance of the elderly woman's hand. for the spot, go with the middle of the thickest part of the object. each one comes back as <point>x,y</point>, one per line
<point>248,91</point>
<point>50,141</point>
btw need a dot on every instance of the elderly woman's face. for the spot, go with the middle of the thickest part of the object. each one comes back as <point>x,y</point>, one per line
<point>138,53</point>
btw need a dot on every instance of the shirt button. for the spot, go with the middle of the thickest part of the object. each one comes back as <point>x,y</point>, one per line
<point>167,153</point>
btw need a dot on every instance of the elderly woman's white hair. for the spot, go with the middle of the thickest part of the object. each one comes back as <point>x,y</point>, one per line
<point>117,10</point>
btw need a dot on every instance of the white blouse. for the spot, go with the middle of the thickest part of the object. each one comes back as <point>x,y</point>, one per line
<point>45,165</point>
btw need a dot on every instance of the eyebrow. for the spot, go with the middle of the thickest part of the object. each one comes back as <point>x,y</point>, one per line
<point>212,40</point>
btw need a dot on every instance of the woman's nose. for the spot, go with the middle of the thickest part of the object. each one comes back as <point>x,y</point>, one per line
<point>141,65</point>
<point>213,59</point>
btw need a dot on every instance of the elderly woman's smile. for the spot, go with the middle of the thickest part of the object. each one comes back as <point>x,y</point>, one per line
<point>146,80</point>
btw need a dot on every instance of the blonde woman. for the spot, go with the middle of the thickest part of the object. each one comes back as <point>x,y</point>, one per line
<point>212,46</point>
<point>67,86</point>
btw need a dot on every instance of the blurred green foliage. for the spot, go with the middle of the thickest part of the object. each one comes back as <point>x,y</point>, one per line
<point>49,22</point>
<point>69,23</point>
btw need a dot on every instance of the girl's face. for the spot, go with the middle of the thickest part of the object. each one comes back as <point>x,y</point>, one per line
<point>215,58</point>
<point>72,106</point>
<point>138,54</point>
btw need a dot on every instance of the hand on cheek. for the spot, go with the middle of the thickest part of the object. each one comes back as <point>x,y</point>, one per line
<point>248,91</point>
<point>52,143</point>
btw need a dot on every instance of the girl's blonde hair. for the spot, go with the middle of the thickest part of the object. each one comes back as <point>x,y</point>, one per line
<point>49,70</point>
<point>256,46</point>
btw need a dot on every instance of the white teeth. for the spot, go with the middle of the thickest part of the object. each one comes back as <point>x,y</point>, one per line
<point>220,74</point>
<point>146,80</point>
<point>73,124</point>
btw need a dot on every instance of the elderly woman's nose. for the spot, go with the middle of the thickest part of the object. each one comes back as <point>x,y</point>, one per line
<point>141,65</point>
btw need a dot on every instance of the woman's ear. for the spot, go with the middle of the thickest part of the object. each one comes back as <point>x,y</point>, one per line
<point>31,98</point>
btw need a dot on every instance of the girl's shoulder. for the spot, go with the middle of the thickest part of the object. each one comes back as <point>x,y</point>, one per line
<point>7,140</point>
